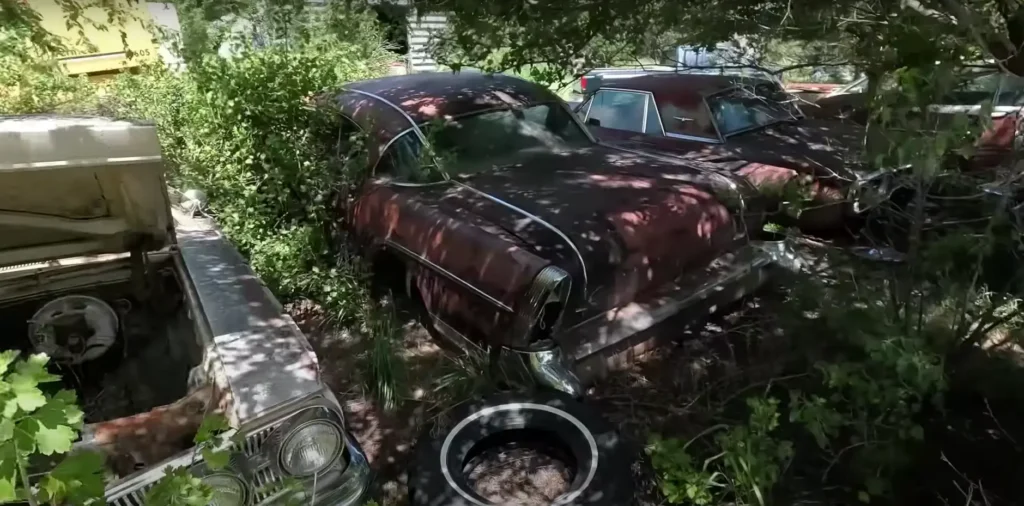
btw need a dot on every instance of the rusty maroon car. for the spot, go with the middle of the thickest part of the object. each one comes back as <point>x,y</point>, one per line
<point>518,231</point>
<point>748,127</point>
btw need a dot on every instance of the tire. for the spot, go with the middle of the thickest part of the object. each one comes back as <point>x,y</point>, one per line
<point>601,457</point>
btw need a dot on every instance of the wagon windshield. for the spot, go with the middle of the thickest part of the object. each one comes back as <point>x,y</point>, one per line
<point>480,141</point>
<point>743,108</point>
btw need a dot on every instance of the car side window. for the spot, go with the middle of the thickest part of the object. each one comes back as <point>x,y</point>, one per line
<point>401,160</point>
<point>618,110</point>
<point>691,122</point>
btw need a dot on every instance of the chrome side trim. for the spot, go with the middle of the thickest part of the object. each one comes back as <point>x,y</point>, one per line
<point>446,273</point>
<point>455,337</point>
<point>542,222</point>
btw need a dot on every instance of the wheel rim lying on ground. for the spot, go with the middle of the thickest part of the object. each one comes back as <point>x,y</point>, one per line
<point>596,458</point>
<point>521,466</point>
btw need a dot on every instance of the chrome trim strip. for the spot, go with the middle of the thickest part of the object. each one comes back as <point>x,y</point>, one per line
<point>692,138</point>
<point>448,274</point>
<point>542,222</point>
<point>419,133</point>
<point>643,126</point>
<point>657,113</point>
<point>454,336</point>
<point>380,156</point>
<point>576,119</point>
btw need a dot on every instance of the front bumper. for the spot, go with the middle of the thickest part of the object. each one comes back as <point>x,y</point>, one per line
<point>614,339</point>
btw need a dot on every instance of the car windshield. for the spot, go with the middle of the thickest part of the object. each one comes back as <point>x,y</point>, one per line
<point>744,108</point>
<point>478,142</point>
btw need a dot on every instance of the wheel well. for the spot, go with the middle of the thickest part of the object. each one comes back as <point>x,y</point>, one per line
<point>388,272</point>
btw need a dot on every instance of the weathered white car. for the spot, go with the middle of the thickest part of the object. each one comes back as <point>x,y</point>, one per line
<point>156,320</point>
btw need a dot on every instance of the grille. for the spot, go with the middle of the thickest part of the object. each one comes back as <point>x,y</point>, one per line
<point>251,447</point>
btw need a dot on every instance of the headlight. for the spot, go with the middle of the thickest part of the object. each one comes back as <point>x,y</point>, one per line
<point>311,448</point>
<point>228,490</point>
<point>539,314</point>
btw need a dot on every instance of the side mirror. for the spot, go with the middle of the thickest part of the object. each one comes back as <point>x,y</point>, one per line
<point>594,122</point>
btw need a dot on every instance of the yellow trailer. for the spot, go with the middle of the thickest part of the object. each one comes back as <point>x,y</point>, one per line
<point>104,45</point>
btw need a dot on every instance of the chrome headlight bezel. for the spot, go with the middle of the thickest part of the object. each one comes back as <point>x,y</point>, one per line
<point>286,432</point>
<point>294,432</point>
<point>541,308</point>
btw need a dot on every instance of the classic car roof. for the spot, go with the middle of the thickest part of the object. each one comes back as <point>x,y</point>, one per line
<point>430,95</point>
<point>682,87</point>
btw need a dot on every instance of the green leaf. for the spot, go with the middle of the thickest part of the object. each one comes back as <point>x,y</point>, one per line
<point>6,359</point>
<point>211,426</point>
<point>28,400</point>
<point>10,408</point>
<point>6,429</point>
<point>8,473</point>
<point>215,460</point>
<point>57,439</point>
<point>25,436</point>
<point>864,497</point>
<point>78,479</point>
<point>35,367</point>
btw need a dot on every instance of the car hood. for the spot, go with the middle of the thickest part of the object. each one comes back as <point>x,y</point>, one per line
<point>821,148</point>
<point>622,212</point>
<point>78,186</point>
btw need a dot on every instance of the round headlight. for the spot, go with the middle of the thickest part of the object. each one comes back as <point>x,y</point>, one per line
<point>311,448</point>
<point>228,490</point>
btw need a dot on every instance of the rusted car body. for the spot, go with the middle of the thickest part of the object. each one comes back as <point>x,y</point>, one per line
<point>999,145</point>
<point>155,320</point>
<point>748,127</point>
<point>525,234</point>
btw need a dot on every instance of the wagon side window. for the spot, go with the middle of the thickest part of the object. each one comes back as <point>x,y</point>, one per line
<point>618,110</point>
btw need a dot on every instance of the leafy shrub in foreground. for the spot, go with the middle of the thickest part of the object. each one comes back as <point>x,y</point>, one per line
<point>240,129</point>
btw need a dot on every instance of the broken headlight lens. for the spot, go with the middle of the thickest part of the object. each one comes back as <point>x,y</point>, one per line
<point>311,448</point>
<point>228,490</point>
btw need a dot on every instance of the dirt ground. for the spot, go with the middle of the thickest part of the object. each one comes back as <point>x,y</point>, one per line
<point>676,390</point>
<point>663,393</point>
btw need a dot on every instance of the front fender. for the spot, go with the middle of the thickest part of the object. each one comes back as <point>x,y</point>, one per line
<point>467,276</point>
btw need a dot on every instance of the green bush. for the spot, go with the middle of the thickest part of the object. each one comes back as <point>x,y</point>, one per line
<point>240,129</point>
